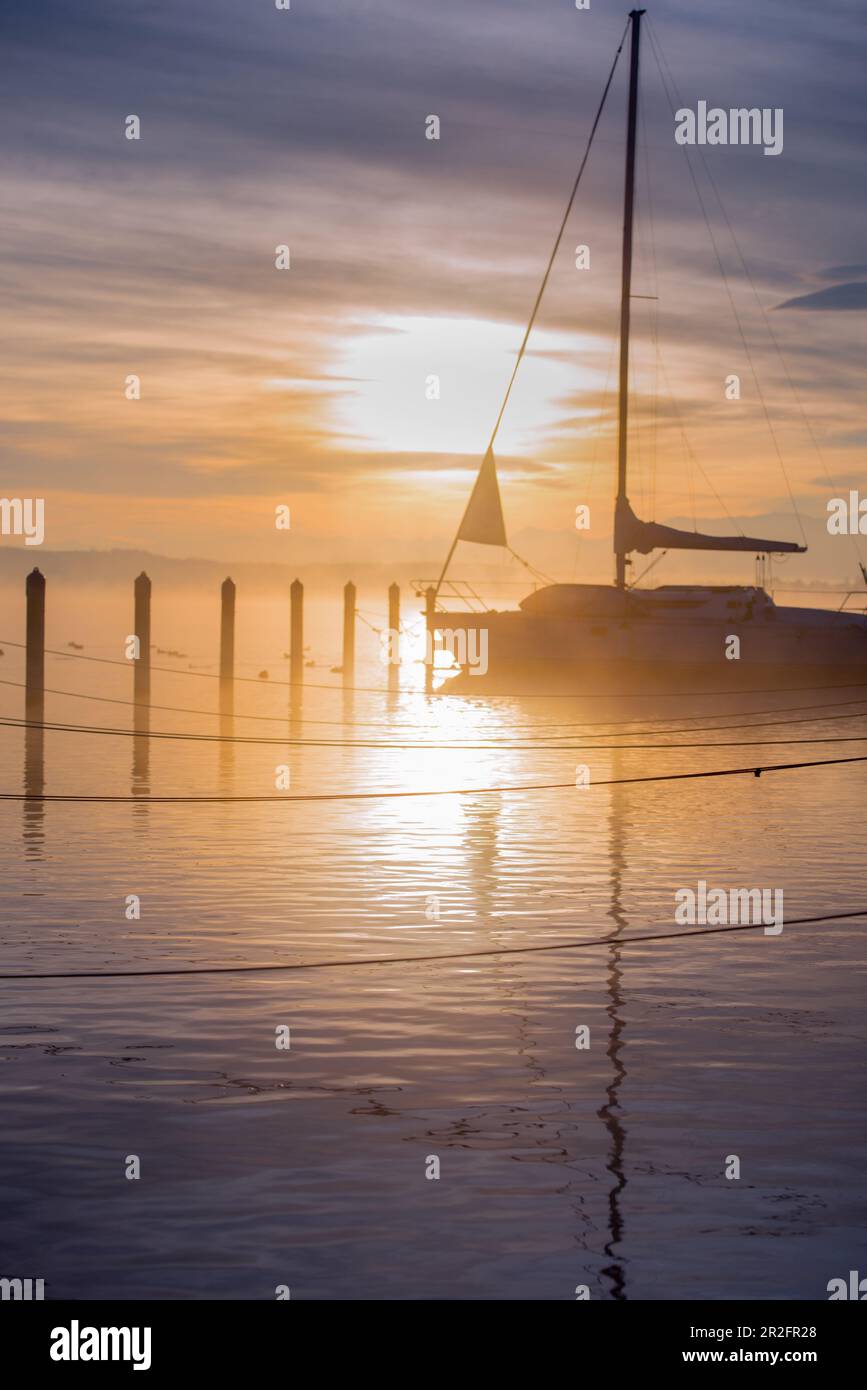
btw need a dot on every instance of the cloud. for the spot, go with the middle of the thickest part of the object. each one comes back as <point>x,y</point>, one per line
<point>843,272</point>
<point>847,481</point>
<point>262,127</point>
<point>849,296</point>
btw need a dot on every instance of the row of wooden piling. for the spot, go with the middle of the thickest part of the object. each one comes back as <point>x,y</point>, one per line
<point>35,641</point>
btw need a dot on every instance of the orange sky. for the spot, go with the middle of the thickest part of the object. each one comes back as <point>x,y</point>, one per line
<point>410,258</point>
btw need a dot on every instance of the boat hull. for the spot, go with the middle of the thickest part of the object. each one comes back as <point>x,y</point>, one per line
<point>660,643</point>
<point>652,678</point>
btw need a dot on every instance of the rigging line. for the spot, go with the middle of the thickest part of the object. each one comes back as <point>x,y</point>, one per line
<point>537,574</point>
<point>448,694</point>
<point>520,741</point>
<point>753,771</point>
<point>426,958</point>
<point>559,237</point>
<point>660,363</point>
<point>430,746</point>
<point>548,269</point>
<point>634,583</point>
<point>601,408</point>
<point>653,306</point>
<point>693,456</point>
<point>765,318</point>
<point>657,52</point>
<point>646,431</point>
<point>773,337</point>
<point>639,471</point>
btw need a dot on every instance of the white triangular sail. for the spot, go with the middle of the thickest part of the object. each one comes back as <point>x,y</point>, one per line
<point>483,520</point>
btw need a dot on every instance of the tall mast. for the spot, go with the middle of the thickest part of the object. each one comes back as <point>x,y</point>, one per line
<point>626,276</point>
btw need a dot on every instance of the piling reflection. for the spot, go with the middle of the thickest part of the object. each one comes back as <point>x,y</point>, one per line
<point>141,782</point>
<point>296,711</point>
<point>481,820</point>
<point>33,828</point>
<point>226,754</point>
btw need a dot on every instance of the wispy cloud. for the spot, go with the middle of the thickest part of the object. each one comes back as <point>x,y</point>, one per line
<point>306,127</point>
<point>852,295</point>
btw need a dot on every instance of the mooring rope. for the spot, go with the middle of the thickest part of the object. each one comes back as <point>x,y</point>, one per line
<point>446,694</point>
<point>514,741</point>
<point>429,745</point>
<point>433,956</point>
<point>148,799</point>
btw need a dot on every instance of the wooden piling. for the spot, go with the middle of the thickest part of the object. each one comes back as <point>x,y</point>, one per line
<point>348,633</point>
<point>34,680</point>
<point>296,638</point>
<point>141,685</point>
<point>430,606</point>
<point>142,630</point>
<point>393,635</point>
<point>227,648</point>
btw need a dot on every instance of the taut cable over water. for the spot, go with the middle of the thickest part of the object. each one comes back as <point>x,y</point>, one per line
<point>423,959</point>
<point>752,771</point>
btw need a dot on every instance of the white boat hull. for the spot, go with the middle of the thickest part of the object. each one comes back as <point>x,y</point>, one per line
<point>598,639</point>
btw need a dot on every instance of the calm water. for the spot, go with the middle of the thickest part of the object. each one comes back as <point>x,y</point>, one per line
<point>306,1167</point>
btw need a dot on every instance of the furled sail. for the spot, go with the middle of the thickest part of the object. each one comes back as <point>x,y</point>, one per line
<point>483,519</point>
<point>630,533</point>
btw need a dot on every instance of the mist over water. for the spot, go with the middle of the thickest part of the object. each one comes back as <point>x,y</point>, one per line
<point>559,1167</point>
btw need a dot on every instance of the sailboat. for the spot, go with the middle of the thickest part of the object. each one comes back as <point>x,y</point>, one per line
<point>617,638</point>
